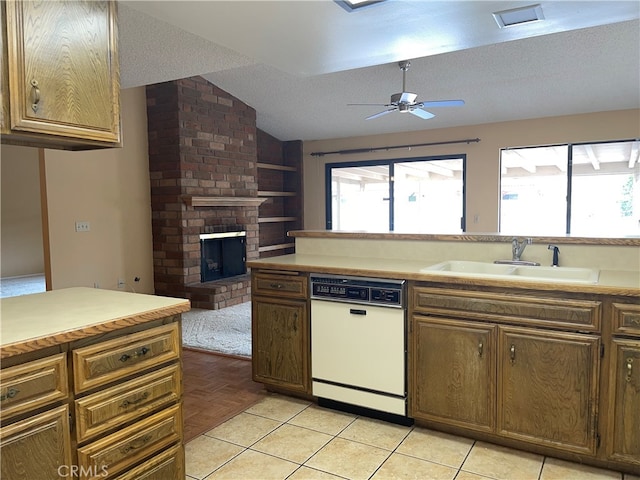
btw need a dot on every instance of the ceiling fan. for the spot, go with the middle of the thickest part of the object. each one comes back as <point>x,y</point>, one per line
<point>404,101</point>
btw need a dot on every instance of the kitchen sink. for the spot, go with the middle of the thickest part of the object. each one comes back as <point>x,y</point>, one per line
<point>514,272</point>
<point>584,275</point>
<point>470,268</point>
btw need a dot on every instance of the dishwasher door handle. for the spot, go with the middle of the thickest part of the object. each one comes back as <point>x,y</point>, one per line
<point>357,311</point>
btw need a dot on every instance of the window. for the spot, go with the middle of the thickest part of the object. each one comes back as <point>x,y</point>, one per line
<point>583,189</point>
<point>424,195</point>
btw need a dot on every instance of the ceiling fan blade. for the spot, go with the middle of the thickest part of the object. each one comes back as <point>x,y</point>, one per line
<point>443,103</point>
<point>376,115</point>
<point>418,112</point>
<point>370,104</point>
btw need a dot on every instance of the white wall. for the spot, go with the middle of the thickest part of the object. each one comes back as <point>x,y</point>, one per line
<point>110,190</point>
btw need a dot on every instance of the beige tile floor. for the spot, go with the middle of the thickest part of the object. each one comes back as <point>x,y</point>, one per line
<point>285,438</point>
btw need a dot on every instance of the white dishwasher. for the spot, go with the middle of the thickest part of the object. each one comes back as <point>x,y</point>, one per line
<point>358,342</point>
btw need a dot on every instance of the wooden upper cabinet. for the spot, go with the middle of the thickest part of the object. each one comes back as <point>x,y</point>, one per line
<point>63,73</point>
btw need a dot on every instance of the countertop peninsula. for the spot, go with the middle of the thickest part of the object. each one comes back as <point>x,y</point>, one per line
<point>33,322</point>
<point>611,282</point>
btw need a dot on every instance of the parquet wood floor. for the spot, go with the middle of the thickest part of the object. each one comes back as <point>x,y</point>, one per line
<point>216,387</point>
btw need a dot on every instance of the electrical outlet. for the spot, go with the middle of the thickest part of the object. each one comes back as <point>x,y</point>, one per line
<point>121,283</point>
<point>83,227</point>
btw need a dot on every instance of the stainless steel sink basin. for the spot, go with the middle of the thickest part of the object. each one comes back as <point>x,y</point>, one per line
<point>514,272</point>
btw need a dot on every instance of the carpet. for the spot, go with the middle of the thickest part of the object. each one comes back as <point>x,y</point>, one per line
<point>24,285</point>
<point>227,330</point>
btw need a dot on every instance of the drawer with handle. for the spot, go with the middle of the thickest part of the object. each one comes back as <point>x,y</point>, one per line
<point>102,411</point>
<point>111,360</point>
<point>168,465</point>
<point>548,312</point>
<point>33,385</point>
<point>290,286</point>
<point>626,319</point>
<point>125,448</point>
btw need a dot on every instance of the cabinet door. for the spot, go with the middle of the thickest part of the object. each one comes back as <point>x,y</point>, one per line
<point>63,68</point>
<point>280,343</point>
<point>624,436</point>
<point>547,388</point>
<point>4,71</point>
<point>37,447</point>
<point>452,369</point>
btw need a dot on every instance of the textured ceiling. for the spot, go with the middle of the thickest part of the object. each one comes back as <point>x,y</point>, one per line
<point>300,63</point>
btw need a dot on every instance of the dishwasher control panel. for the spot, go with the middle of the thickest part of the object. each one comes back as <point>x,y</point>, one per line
<point>358,290</point>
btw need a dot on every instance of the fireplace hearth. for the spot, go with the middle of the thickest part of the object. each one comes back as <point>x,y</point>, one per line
<point>222,255</point>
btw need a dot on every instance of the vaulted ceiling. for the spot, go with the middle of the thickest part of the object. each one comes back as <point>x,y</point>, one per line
<point>301,63</point>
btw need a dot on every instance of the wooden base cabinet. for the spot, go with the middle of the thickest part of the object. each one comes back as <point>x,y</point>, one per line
<point>280,332</point>
<point>280,336</point>
<point>107,406</point>
<point>454,372</point>
<point>625,398</point>
<point>548,388</point>
<point>623,436</point>
<point>38,447</point>
<point>536,386</point>
<point>499,364</point>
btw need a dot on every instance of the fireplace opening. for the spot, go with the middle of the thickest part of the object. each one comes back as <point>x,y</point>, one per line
<point>222,255</point>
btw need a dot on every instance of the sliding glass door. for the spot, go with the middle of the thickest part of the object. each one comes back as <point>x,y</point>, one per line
<point>424,195</point>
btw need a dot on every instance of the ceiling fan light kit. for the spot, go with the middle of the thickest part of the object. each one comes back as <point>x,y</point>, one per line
<point>405,102</point>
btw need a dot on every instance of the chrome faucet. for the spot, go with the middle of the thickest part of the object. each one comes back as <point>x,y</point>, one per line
<point>518,247</point>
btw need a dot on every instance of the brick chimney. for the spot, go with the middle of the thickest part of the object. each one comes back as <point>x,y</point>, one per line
<point>202,149</point>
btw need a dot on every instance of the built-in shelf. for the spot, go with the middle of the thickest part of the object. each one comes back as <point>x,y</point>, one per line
<point>283,168</point>
<point>264,193</point>
<point>276,219</point>
<point>279,178</point>
<point>279,246</point>
<point>204,201</point>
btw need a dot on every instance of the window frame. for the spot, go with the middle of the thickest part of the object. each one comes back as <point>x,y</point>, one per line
<point>391,165</point>
<point>569,174</point>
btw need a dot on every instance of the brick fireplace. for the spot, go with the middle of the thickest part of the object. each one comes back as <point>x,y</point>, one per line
<point>202,163</point>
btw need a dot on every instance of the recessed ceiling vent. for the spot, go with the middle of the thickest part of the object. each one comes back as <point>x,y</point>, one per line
<point>518,16</point>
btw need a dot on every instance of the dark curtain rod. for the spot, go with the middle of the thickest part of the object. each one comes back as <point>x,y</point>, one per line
<point>376,149</point>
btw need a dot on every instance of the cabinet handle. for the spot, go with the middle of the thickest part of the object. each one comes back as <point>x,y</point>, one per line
<point>126,403</point>
<point>480,349</point>
<point>512,354</point>
<point>11,393</point>
<point>629,369</point>
<point>36,95</point>
<point>143,351</point>
<point>136,444</point>
<point>276,285</point>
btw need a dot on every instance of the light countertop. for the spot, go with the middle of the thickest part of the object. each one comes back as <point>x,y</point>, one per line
<point>33,322</point>
<point>611,282</point>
